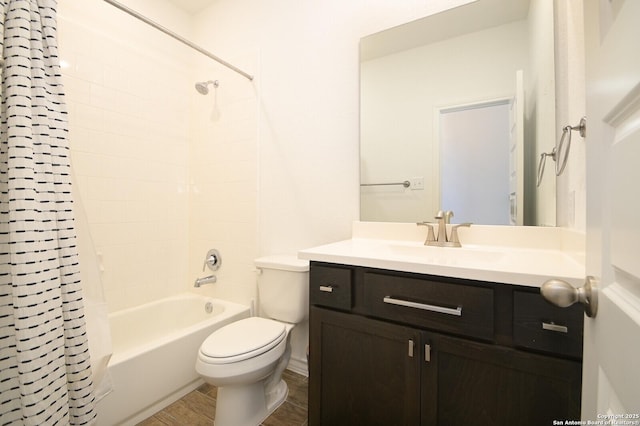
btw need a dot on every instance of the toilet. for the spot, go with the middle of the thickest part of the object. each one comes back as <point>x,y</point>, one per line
<point>245,359</point>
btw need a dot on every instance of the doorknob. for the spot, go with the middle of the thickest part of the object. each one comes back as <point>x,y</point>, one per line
<point>563,294</point>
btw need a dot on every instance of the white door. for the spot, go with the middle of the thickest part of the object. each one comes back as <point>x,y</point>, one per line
<point>611,375</point>
<point>474,161</point>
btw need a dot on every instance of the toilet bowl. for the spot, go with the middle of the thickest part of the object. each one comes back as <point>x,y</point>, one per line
<point>243,351</point>
<point>245,359</point>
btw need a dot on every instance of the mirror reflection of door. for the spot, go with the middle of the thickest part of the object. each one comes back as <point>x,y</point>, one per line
<point>475,142</point>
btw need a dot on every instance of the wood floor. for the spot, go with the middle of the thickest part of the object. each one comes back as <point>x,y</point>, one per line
<point>198,408</point>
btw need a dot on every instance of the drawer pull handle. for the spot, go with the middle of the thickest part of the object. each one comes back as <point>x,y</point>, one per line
<point>326,288</point>
<point>554,327</point>
<point>433,308</point>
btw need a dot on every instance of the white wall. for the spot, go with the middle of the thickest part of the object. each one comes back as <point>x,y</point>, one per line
<point>571,105</point>
<point>223,175</point>
<point>540,114</point>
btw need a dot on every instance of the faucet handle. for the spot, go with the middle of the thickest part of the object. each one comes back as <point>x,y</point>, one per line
<point>431,236</point>
<point>212,260</point>
<point>454,241</point>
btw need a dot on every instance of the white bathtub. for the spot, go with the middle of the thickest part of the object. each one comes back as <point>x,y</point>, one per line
<point>154,352</point>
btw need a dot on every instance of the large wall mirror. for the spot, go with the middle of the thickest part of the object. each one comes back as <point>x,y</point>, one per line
<point>456,108</point>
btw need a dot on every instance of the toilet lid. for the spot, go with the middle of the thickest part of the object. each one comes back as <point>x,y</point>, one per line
<point>242,340</point>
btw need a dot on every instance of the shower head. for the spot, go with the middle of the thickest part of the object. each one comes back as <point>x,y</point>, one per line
<point>203,87</point>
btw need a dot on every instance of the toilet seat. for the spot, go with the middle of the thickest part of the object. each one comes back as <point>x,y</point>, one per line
<point>241,340</point>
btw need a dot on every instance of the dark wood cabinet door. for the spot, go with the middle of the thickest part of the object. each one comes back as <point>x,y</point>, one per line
<point>471,383</point>
<point>362,371</point>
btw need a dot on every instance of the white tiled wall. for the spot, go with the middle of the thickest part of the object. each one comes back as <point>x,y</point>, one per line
<point>223,181</point>
<point>164,173</point>
<point>129,135</point>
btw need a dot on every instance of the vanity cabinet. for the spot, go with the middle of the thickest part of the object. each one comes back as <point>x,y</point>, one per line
<point>395,348</point>
<point>368,375</point>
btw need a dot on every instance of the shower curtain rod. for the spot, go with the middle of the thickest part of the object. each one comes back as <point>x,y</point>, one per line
<point>177,37</point>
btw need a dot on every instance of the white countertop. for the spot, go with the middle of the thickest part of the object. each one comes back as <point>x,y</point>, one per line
<point>520,255</point>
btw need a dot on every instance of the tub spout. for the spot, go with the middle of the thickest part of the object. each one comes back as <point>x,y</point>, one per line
<point>206,280</point>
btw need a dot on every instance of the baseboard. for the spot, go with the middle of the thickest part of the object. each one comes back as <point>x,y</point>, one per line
<point>299,366</point>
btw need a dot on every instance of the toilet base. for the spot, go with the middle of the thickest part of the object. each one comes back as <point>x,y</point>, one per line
<point>248,405</point>
<point>276,397</point>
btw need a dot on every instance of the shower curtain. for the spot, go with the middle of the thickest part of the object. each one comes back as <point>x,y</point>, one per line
<point>45,370</point>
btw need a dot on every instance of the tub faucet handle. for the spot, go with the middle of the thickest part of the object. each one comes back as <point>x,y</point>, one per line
<point>212,260</point>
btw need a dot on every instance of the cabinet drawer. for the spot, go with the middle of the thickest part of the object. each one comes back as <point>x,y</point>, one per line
<point>331,287</point>
<point>456,308</point>
<point>541,326</point>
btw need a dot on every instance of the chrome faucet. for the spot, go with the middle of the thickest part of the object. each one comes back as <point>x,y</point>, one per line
<point>444,219</point>
<point>206,280</point>
<point>212,261</point>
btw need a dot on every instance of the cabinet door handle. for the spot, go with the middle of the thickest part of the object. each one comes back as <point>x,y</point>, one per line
<point>425,307</point>
<point>555,327</point>
<point>411,348</point>
<point>326,288</point>
<point>427,353</point>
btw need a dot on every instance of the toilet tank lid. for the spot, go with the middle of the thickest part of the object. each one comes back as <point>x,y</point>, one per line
<point>285,262</point>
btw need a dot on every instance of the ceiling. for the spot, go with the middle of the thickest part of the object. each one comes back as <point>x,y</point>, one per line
<point>192,6</point>
<point>471,17</point>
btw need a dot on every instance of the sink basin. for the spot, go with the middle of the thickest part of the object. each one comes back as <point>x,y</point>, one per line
<point>458,256</point>
<point>482,257</point>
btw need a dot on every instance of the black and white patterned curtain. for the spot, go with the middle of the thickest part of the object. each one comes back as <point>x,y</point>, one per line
<point>45,371</point>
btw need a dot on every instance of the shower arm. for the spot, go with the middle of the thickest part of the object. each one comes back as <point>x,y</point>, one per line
<point>177,37</point>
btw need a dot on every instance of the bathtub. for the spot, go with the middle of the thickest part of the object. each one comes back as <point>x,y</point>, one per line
<point>154,351</point>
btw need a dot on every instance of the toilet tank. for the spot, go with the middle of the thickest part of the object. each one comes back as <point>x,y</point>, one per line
<point>283,287</point>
